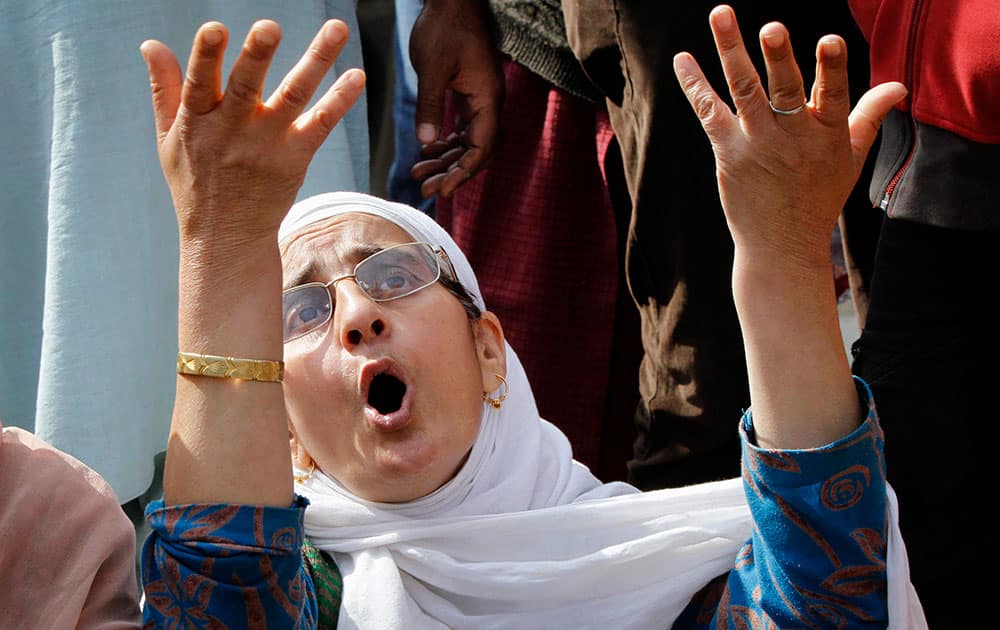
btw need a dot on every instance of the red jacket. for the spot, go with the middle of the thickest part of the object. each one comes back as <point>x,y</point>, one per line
<point>939,162</point>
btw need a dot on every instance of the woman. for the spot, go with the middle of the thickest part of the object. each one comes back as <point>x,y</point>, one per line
<point>432,485</point>
<point>67,550</point>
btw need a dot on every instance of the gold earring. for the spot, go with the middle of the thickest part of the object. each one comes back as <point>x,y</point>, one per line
<point>497,402</point>
<point>307,475</point>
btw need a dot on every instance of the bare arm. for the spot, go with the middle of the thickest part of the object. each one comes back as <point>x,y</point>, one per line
<point>783,180</point>
<point>234,164</point>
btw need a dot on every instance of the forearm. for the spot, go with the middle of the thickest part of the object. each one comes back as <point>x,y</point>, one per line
<point>228,437</point>
<point>234,164</point>
<point>785,169</point>
<point>801,390</point>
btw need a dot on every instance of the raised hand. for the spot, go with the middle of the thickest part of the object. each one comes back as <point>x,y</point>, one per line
<point>451,47</point>
<point>785,169</point>
<point>234,163</point>
<point>783,177</point>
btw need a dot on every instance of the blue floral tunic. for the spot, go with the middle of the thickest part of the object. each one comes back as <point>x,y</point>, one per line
<point>816,558</point>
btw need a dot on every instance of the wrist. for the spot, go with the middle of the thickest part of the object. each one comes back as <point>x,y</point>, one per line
<point>759,272</point>
<point>229,252</point>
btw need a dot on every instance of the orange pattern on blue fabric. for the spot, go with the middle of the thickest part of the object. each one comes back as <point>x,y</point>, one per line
<point>816,558</point>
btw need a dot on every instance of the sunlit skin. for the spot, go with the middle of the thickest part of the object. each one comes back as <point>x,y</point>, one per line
<point>445,360</point>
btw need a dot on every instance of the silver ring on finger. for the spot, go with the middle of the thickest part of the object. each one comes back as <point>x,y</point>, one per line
<point>787,112</point>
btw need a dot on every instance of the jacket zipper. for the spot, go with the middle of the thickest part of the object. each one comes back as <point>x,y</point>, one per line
<point>910,82</point>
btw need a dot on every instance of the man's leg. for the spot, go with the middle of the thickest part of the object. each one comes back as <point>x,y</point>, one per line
<point>693,381</point>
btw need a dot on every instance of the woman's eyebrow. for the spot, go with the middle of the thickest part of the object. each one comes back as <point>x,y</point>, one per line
<point>354,255</point>
<point>300,276</point>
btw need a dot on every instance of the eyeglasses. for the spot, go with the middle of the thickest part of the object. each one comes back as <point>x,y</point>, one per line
<point>390,274</point>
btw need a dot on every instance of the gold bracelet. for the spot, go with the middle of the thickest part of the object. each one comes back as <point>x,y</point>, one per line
<point>229,367</point>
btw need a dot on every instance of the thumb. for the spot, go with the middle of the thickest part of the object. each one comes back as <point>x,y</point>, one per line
<point>868,114</point>
<point>431,86</point>
<point>164,82</point>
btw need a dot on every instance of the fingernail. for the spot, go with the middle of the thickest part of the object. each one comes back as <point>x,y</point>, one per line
<point>427,133</point>
<point>213,36</point>
<point>774,37</point>
<point>831,46</point>
<point>683,65</point>
<point>335,34</point>
<point>264,37</point>
<point>356,78</point>
<point>723,17</point>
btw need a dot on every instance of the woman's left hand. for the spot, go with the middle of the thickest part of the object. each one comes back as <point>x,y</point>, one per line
<point>783,177</point>
<point>785,170</point>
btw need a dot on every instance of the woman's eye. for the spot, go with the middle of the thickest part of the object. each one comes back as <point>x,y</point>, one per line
<point>395,280</point>
<point>307,314</point>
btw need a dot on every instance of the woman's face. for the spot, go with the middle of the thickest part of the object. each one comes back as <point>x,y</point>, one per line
<point>387,396</point>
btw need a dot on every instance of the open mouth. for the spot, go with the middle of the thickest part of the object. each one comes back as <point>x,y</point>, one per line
<point>386,392</point>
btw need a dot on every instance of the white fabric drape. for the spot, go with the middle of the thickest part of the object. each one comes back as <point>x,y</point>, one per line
<point>524,536</point>
<point>88,238</point>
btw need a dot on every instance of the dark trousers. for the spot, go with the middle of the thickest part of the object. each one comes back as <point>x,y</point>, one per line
<point>678,252</point>
<point>929,350</point>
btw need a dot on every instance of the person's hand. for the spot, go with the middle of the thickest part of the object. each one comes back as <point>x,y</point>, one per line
<point>451,47</point>
<point>233,162</point>
<point>783,178</point>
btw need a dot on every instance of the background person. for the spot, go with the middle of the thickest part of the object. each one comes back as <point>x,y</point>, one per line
<point>665,227</point>
<point>930,310</point>
<point>68,551</point>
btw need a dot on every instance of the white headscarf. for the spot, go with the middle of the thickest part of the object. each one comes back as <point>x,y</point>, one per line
<point>524,536</point>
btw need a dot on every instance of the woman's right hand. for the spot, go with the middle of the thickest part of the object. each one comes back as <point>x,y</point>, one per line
<point>234,163</point>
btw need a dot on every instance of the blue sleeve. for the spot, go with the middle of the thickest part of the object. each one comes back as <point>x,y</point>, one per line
<point>817,555</point>
<point>226,566</point>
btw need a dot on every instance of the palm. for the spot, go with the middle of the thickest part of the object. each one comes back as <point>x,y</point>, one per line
<point>234,162</point>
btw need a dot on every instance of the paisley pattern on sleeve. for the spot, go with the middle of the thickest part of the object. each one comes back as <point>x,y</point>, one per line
<point>817,556</point>
<point>226,566</point>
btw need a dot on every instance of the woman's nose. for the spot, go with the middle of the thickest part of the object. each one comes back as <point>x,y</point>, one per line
<point>357,317</point>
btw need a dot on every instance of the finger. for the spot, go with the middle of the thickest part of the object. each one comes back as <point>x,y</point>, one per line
<point>455,177</point>
<point>440,147</point>
<point>425,168</point>
<point>431,85</point>
<point>744,84</point>
<point>298,87</point>
<point>716,118</point>
<point>203,84</point>
<point>315,125</point>
<point>246,81</point>
<point>868,114</point>
<point>165,83</point>
<point>479,138</point>
<point>784,80</point>
<point>831,96</point>
<point>432,185</point>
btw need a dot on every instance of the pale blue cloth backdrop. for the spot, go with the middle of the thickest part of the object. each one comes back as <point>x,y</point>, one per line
<point>88,240</point>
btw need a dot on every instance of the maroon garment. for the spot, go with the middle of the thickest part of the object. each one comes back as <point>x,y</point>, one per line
<point>539,230</point>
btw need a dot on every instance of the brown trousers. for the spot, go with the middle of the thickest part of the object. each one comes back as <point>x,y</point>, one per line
<point>678,252</point>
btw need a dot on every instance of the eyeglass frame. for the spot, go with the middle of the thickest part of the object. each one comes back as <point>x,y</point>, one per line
<point>439,255</point>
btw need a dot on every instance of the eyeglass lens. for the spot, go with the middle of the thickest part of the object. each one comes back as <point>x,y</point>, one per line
<point>387,275</point>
